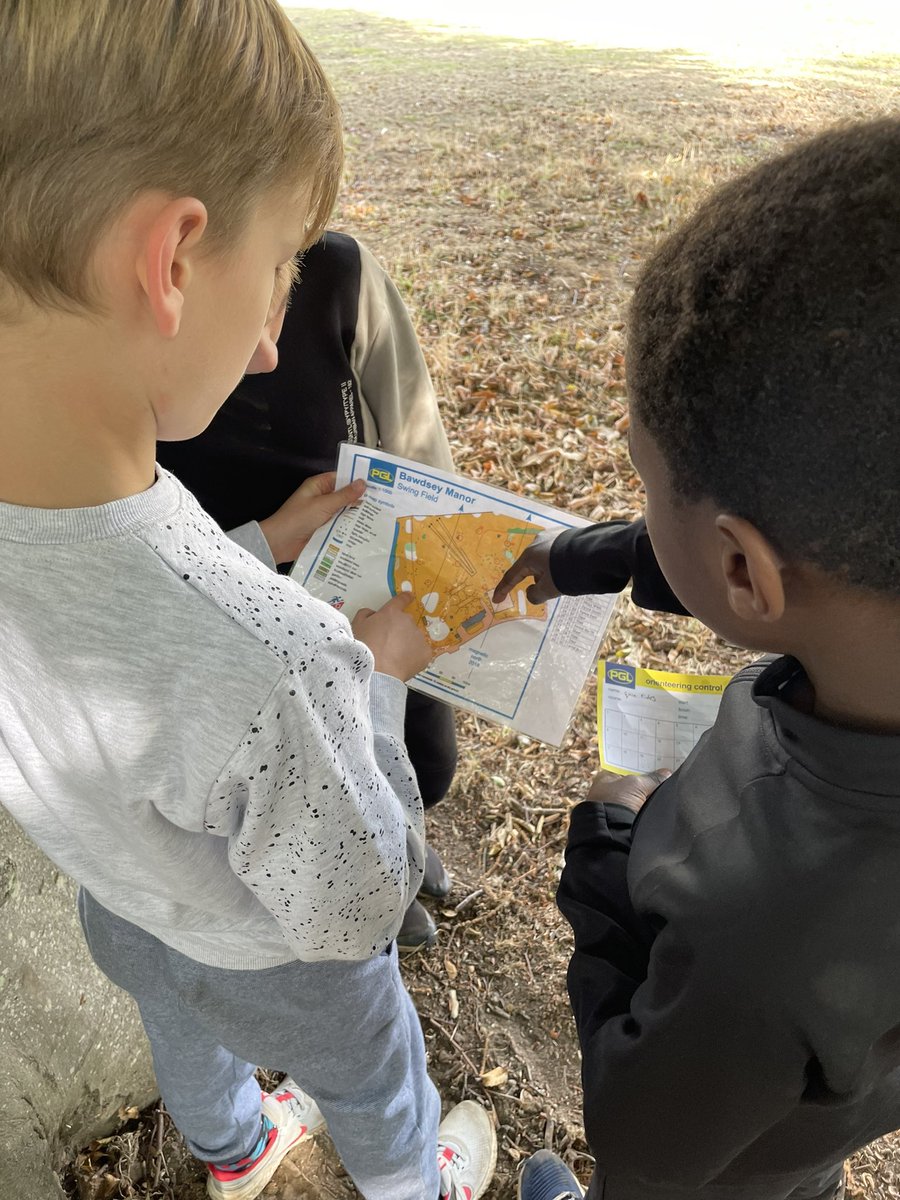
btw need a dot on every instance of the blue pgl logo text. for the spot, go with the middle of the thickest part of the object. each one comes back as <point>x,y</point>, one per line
<point>381,472</point>
<point>621,674</point>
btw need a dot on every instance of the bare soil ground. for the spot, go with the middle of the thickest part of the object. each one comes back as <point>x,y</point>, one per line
<point>512,189</point>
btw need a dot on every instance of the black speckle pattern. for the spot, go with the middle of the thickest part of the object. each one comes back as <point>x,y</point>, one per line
<point>322,813</point>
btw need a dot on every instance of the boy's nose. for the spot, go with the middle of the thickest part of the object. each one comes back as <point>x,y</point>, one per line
<point>265,356</point>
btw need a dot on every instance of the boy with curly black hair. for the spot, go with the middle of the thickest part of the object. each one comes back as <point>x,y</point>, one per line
<point>736,977</point>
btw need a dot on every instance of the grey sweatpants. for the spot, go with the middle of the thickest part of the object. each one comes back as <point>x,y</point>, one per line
<point>346,1032</point>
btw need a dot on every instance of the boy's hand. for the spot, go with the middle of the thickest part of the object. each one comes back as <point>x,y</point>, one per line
<point>533,561</point>
<point>631,791</point>
<point>400,647</point>
<point>315,501</point>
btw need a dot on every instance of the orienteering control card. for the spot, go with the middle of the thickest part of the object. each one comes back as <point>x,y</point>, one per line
<point>652,719</point>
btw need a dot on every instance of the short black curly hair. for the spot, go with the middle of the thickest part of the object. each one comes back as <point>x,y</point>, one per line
<point>764,352</point>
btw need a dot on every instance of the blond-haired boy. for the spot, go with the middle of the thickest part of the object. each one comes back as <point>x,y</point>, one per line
<point>194,739</point>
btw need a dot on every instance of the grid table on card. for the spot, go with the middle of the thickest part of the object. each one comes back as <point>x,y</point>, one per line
<point>639,743</point>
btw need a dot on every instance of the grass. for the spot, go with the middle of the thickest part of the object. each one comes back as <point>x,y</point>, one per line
<point>512,190</point>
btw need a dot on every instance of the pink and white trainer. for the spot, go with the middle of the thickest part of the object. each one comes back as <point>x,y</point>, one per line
<point>288,1116</point>
<point>467,1152</point>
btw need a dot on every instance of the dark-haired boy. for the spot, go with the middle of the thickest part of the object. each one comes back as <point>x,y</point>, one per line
<point>736,975</point>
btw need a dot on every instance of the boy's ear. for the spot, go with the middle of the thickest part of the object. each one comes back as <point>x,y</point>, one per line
<point>166,261</point>
<point>752,568</point>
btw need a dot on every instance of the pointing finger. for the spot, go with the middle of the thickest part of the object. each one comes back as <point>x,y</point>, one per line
<point>513,576</point>
<point>401,600</point>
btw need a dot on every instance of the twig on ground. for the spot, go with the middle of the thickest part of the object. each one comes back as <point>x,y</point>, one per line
<point>442,1029</point>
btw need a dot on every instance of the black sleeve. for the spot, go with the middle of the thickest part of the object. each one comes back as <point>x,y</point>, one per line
<point>683,1066</point>
<point>602,558</point>
<point>612,944</point>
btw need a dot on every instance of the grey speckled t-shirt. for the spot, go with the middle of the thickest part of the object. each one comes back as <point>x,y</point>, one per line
<point>197,740</point>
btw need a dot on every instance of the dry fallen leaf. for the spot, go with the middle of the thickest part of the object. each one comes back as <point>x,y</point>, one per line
<point>495,1078</point>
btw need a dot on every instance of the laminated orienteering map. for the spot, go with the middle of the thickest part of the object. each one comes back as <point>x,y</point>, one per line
<point>447,541</point>
<point>451,564</point>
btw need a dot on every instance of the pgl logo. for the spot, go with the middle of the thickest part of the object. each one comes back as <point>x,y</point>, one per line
<point>620,674</point>
<point>381,472</point>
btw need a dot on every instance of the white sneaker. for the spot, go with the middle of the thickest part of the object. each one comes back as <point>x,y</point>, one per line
<point>288,1116</point>
<point>467,1152</point>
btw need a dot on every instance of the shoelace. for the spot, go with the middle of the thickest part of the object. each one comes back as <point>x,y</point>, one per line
<point>448,1160</point>
<point>297,1107</point>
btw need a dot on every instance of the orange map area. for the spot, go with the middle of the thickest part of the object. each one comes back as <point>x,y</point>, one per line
<point>451,564</point>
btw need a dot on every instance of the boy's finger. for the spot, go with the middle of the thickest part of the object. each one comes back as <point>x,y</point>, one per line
<point>363,613</point>
<point>352,492</point>
<point>539,592</point>
<point>509,581</point>
<point>630,790</point>
<point>333,502</point>
<point>640,788</point>
<point>323,483</point>
<point>647,784</point>
<point>401,600</point>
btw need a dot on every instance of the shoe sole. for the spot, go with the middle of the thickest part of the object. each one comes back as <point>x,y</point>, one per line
<point>493,1167</point>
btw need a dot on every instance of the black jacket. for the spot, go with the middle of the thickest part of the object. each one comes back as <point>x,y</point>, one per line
<point>736,975</point>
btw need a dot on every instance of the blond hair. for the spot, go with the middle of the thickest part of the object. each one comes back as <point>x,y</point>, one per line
<point>104,99</point>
